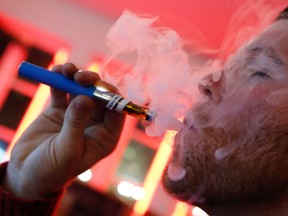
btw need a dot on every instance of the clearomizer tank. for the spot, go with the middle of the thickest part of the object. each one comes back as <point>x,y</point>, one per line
<point>116,102</point>
<point>111,100</point>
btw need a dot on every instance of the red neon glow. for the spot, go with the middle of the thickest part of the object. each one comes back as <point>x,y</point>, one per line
<point>154,174</point>
<point>37,104</point>
<point>25,88</point>
<point>6,134</point>
<point>110,164</point>
<point>181,209</point>
<point>11,58</point>
<point>94,66</point>
<point>60,57</point>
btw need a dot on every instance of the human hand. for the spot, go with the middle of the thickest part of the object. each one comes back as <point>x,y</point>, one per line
<point>69,137</point>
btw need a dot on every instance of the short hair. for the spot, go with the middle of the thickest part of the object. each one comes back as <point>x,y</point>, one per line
<point>283,14</point>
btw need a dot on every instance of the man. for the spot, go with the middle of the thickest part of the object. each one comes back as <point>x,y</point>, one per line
<point>234,150</point>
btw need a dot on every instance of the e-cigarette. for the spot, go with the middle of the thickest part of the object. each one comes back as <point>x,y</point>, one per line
<point>111,100</point>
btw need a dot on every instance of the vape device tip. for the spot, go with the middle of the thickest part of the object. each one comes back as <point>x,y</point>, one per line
<point>150,116</point>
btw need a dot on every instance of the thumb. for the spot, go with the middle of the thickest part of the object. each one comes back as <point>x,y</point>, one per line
<point>76,119</point>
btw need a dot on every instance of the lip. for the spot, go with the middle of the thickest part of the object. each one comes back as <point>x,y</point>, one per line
<point>189,134</point>
<point>187,131</point>
<point>192,128</point>
<point>188,125</point>
<point>185,121</point>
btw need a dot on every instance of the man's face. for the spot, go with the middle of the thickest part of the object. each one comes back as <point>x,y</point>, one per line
<point>234,146</point>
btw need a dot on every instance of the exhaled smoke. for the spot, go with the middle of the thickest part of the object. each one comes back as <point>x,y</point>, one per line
<point>161,77</point>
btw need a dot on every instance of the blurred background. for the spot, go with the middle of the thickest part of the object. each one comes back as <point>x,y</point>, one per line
<point>56,31</point>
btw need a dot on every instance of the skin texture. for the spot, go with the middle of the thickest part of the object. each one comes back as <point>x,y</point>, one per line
<point>235,144</point>
<point>70,136</point>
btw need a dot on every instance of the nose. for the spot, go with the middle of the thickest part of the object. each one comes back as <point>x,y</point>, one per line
<point>211,86</point>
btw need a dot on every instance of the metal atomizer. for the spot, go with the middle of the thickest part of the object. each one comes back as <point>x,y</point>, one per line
<point>111,100</point>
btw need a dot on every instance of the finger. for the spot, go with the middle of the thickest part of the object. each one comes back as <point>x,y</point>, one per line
<point>114,122</point>
<point>76,119</point>
<point>57,68</point>
<point>69,69</point>
<point>58,98</point>
<point>102,138</point>
<point>86,78</point>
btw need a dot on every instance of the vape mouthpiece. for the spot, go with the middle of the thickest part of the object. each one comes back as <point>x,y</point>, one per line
<point>111,100</point>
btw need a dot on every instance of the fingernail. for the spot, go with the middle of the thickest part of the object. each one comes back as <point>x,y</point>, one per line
<point>81,106</point>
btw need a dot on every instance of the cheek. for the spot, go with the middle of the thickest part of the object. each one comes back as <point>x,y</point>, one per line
<point>257,161</point>
<point>232,129</point>
<point>260,131</point>
<point>234,124</point>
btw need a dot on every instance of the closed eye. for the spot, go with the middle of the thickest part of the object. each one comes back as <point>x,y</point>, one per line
<point>261,74</point>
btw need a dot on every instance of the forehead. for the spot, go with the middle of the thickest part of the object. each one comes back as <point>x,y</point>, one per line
<point>273,43</point>
<point>267,52</point>
<point>275,37</point>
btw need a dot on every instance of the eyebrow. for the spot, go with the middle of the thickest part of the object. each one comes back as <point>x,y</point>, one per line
<point>269,52</point>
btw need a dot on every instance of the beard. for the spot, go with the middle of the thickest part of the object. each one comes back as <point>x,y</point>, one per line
<point>253,167</point>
